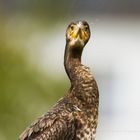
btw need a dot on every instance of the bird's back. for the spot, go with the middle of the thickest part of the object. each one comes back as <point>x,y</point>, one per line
<point>57,124</point>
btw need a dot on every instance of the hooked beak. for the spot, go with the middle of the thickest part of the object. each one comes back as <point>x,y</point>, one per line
<point>77,34</point>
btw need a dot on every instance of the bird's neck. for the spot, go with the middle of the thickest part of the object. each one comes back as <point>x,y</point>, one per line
<point>83,84</point>
<point>72,59</point>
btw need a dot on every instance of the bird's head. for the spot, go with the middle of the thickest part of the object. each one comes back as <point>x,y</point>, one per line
<point>77,34</point>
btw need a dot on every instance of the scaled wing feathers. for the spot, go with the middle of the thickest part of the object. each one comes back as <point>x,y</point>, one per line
<point>59,124</point>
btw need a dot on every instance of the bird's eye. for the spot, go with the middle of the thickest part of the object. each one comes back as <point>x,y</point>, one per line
<point>72,27</point>
<point>86,28</point>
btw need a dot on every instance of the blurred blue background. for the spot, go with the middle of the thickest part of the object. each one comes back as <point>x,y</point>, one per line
<point>32,76</point>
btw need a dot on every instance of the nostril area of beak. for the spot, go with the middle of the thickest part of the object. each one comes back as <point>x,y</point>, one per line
<point>80,33</point>
<point>77,34</point>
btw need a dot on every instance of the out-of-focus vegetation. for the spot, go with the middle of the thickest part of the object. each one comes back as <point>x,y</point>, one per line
<point>24,93</point>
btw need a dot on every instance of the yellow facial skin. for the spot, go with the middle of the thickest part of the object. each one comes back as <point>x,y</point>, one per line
<point>78,33</point>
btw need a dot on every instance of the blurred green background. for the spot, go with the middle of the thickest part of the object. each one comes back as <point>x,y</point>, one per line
<point>25,91</point>
<point>32,76</point>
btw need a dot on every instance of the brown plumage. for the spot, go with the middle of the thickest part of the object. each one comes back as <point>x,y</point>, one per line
<point>74,117</point>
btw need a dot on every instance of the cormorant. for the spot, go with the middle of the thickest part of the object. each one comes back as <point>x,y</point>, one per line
<point>74,117</point>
